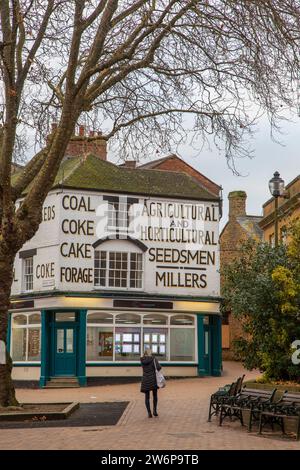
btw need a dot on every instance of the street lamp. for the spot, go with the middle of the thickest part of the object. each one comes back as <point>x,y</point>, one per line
<point>276,186</point>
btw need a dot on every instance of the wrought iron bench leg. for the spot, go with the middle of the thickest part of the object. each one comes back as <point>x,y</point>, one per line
<point>260,424</point>
<point>210,413</point>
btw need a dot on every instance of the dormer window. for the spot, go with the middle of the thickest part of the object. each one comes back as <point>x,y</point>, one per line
<point>118,269</point>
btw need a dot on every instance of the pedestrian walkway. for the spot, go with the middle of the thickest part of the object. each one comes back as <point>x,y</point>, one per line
<point>182,421</point>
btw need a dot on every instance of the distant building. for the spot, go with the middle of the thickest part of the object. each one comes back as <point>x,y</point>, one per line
<point>174,163</point>
<point>288,209</point>
<point>239,228</point>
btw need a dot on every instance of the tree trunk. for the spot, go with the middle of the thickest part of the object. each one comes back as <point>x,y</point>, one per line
<point>7,391</point>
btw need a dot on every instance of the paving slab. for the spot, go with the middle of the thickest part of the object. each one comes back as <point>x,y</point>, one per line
<point>181,424</point>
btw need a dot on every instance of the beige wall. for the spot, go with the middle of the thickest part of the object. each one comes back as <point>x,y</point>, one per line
<point>137,371</point>
<point>26,373</point>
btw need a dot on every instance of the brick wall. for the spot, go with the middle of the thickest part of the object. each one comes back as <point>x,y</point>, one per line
<point>85,143</point>
<point>173,163</point>
<point>230,239</point>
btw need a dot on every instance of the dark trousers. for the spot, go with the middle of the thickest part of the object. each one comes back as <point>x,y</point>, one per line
<point>147,400</point>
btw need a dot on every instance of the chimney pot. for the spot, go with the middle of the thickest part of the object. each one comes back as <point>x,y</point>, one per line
<point>81,131</point>
<point>92,133</point>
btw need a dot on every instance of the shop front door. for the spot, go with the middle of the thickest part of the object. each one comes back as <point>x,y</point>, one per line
<point>64,349</point>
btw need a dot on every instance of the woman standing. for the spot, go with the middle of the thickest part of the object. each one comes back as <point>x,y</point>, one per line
<point>149,380</point>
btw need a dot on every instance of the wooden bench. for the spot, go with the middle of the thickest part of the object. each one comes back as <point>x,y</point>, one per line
<point>288,407</point>
<point>218,397</point>
<point>249,399</point>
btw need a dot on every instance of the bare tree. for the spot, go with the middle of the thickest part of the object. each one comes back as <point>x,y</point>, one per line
<point>136,67</point>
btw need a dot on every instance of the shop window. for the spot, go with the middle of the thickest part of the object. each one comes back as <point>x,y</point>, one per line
<point>28,274</point>
<point>128,318</point>
<point>100,317</point>
<point>155,319</point>
<point>118,269</point>
<point>127,344</point>
<point>182,320</point>
<point>100,343</point>
<point>26,338</point>
<point>156,340</point>
<point>125,336</point>
<point>182,344</point>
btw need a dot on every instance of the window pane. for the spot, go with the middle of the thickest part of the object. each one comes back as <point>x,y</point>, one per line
<point>70,340</point>
<point>182,344</point>
<point>128,348</point>
<point>99,344</point>
<point>136,270</point>
<point>100,268</point>
<point>34,350</point>
<point>99,317</point>
<point>206,340</point>
<point>34,319</point>
<point>19,320</point>
<point>154,319</point>
<point>65,316</point>
<point>128,318</point>
<point>60,335</point>
<point>155,339</point>
<point>182,320</point>
<point>19,344</point>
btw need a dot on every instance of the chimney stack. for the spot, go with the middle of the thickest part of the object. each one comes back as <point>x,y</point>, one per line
<point>237,204</point>
<point>84,143</point>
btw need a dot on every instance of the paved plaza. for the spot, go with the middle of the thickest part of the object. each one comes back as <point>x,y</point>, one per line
<point>182,421</point>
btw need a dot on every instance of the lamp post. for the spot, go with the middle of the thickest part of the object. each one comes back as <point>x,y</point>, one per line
<point>276,186</point>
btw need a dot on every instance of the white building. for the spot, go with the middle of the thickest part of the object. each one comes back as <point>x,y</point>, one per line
<point>124,259</point>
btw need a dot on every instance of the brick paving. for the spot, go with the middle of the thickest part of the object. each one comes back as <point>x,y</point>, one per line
<point>182,421</point>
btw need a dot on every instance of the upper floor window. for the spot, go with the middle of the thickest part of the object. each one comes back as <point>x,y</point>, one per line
<point>118,269</point>
<point>28,274</point>
<point>272,240</point>
<point>118,214</point>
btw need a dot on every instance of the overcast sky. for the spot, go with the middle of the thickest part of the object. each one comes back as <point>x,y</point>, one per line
<point>268,157</point>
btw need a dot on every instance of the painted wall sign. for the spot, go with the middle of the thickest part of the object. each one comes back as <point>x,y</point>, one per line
<point>179,244</point>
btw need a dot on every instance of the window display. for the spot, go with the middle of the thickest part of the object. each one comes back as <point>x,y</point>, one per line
<point>155,339</point>
<point>99,344</point>
<point>173,341</point>
<point>127,345</point>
